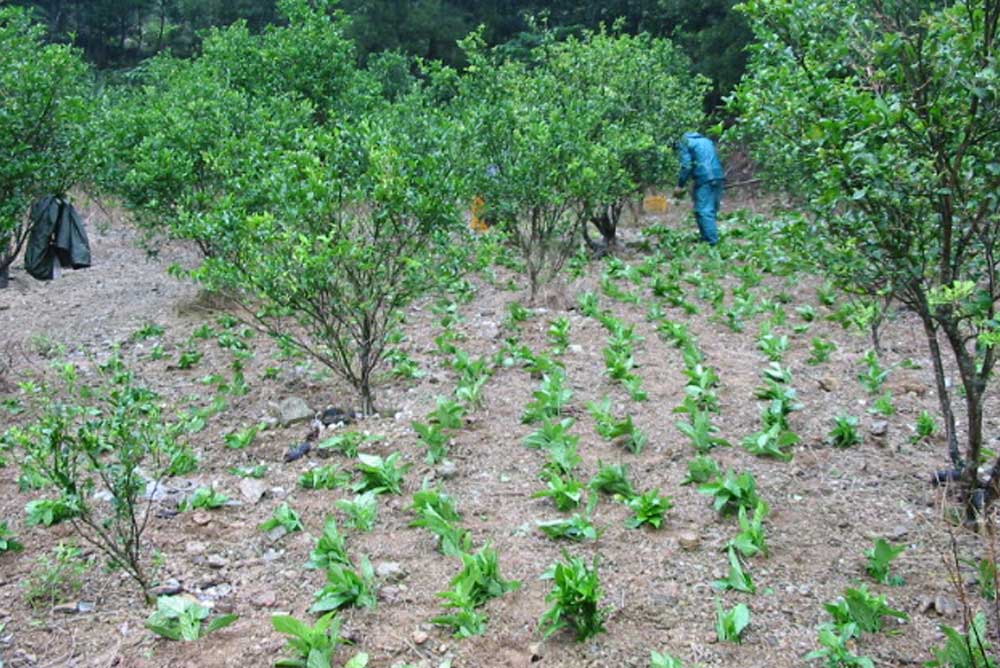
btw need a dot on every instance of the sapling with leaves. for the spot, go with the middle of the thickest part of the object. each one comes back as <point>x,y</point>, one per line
<point>751,540</point>
<point>107,435</point>
<point>880,558</point>
<point>566,493</point>
<point>552,433</point>
<point>182,618</point>
<point>576,599</point>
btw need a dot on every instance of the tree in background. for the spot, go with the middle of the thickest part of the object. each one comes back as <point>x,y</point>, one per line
<point>43,125</point>
<point>884,117</point>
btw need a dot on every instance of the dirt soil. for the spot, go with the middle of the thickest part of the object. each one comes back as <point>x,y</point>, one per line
<point>828,504</point>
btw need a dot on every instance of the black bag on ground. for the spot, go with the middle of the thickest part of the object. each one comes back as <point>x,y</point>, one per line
<point>57,233</point>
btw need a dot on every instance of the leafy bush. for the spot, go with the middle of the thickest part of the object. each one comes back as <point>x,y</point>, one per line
<point>649,508</point>
<point>612,479</point>
<point>330,548</point>
<point>381,476</point>
<point>361,511</point>
<point>346,587</point>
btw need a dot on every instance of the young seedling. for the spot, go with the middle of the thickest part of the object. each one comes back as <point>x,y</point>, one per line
<point>57,578</point>
<point>347,443</point>
<point>565,493</point>
<point>658,660</point>
<point>883,406</point>
<point>482,571</point>
<point>8,543</point>
<point>863,608</point>
<point>382,476</point>
<point>577,528</point>
<point>453,540</point>
<point>324,477</point>
<point>773,346</point>
<point>880,559</point>
<point>434,438</point>
<point>732,492</point>
<point>361,511</point>
<point>182,618</point>
<point>925,428</point>
<point>821,351</point>
<point>562,460</point>
<point>730,624</point>
<point>612,479</point>
<point>285,517</point>
<point>238,440</point>
<point>575,598</point>
<point>346,587</point>
<point>558,334</point>
<point>330,548</point>
<point>550,399</point>
<point>751,540</point>
<point>986,577</point>
<point>772,441</point>
<point>701,469</point>
<point>312,645</point>
<point>624,431</point>
<point>845,432</point>
<point>835,651</point>
<point>873,377</point>
<point>738,578</point>
<point>701,431</point>
<point>552,433</point>
<point>649,508</point>
<point>205,498</point>
<point>464,619</point>
<point>441,503</point>
<point>965,650</point>
<point>48,512</point>
<point>448,414</point>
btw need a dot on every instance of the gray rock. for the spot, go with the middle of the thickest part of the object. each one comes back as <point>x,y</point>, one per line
<point>447,470</point>
<point>169,588</point>
<point>390,571</point>
<point>252,490</point>
<point>689,540</point>
<point>878,428</point>
<point>217,561</point>
<point>194,548</point>
<point>293,410</point>
<point>264,599</point>
<point>66,608</point>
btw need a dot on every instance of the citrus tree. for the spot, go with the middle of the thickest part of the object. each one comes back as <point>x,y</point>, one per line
<point>43,125</point>
<point>883,117</point>
<point>325,243</point>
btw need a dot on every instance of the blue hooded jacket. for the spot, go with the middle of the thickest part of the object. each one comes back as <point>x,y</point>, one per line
<point>698,158</point>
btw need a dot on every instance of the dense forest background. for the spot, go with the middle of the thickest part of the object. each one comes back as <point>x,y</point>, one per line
<point>120,33</point>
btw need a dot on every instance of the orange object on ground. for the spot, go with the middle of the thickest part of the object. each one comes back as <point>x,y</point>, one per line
<point>654,204</point>
<point>479,222</point>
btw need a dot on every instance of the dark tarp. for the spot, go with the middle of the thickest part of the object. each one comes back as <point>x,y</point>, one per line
<point>57,233</point>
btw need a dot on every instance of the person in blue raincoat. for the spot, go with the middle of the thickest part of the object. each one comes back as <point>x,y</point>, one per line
<point>699,160</point>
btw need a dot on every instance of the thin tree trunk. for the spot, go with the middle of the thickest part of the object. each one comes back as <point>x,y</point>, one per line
<point>944,398</point>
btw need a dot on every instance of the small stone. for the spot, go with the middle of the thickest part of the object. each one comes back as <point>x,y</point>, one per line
<point>264,599</point>
<point>945,606</point>
<point>828,384</point>
<point>201,518</point>
<point>224,607</point>
<point>447,470</point>
<point>252,490</point>
<point>390,571</point>
<point>419,637</point>
<point>878,428</point>
<point>332,416</point>
<point>293,410</point>
<point>66,608</point>
<point>217,561</point>
<point>168,588</point>
<point>390,594</point>
<point>272,555</point>
<point>898,532</point>
<point>194,548</point>
<point>575,349</point>
<point>277,533</point>
<point>689,540</point>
